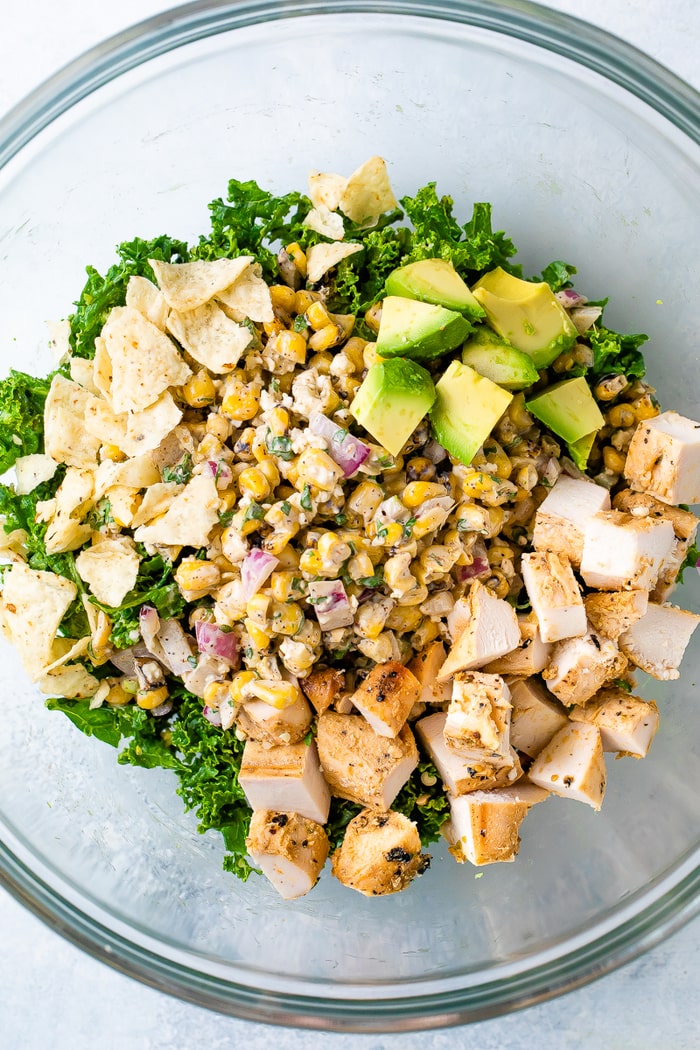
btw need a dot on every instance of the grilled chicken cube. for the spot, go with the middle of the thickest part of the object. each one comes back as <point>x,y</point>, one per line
<point>323,687</point>
<point>642,504</point>
<point>288,779</point>
<point>622,552</point>
<point>663,458</point>
<point>554,595</point>
<point>613,612</point>
<point>483,826</point>
<point>561,519</point>
<point>461,775</point>
<point>360,765</point>
<point>425,667</point>
<point>535,717</point>
<point>572,764</point>
<point>491,631</point>
<point>627,723</point>
<point>668,573</point>
<point>380,853</point>
<point>478,718</point>
<point>386,697</point>
<point>531,656</point>
<point>261,721</point>
<point>657,642</point>
<point>289,849</point>
<point>581,666</point>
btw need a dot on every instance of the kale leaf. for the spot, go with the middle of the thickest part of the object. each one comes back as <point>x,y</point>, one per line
<point>689,562</point>
<point>557,275</point>
<point>433,809</point>
<point>613,352</point>
<point>156,586</point>
<point>22,400</point>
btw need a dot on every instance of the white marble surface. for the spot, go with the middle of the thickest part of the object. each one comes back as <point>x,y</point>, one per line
<point>52,996</point>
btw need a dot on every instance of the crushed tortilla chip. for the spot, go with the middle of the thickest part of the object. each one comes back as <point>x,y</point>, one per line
<point>101,370</point>
<point>210,337</point>
<point>74,498</point>
<point>323,257</point>
<point>148,299</point>
<point>82,372</point>
<point>32,470</point>
<point>133,432</point>
<point>188,520</point>
<point>326,189</point>
<point>325,222</point>
<point>72,682</point>
<point>34,602</point>
<point>66,438</point>
<point>66,649</point>
<point>155,502</point>
<point>248,297</point>
<point>145,362</point>
<point>138,473</point>
<point>368,193</point>
<point>189,285</point>
<point>109,568</point>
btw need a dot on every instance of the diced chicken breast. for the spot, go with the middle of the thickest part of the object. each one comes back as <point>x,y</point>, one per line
<point>360,765</point>
<point>323,687</point>
<point>554,595</point>
<point>483,826</point>
<point>286,779</point>
<point>289,849</point>
<point>491,631</point>
<point>622,552</point>
<point>642,504</point>
<point>380,854</point>
<point>267,724</point>
<point>426,666</point>
<point>657,642</point>
<point>535,717</point>
<point>572,764</point>
<point>461,775</point>
<point>478,718</point>
<point>531,656</point>
<point>386,697</point>
<point>668,572</point>
<point>612,612</point>
<point>581,666</point>
<point>627,723</point>
<point>663,458</point>
<point>561,518</point>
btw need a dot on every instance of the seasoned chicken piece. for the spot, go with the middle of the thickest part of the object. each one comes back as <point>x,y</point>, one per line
<point>555,596</point>
<point>535,717</point>
<point>289,849</point>
<point>572,764</point>
<point>627,723</point>
<point>360,765</point>
<point>581,666</point>
<point>478,718</point>
<point>425,667</point>
<point>643,504</point>
<point>622,552</point>
<point>386,696</point>
<point>272,725</point>
<point>483,826</point>
<point>663,458</point>
<point>612,612</point>
<point>668,572</point>
<point>491,631</point>
<point>322,687</point>
<point>461,775</point>
<point>287,778</point>
<point>657,642</point>
<point>531,656</point>
<point>561,519</point>
<point>380,853</point>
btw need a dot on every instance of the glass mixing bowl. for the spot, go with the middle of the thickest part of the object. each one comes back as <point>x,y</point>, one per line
<point>589,152</point>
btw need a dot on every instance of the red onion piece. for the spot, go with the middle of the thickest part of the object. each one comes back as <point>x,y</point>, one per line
<point>330,604</point>
<point>347,451</point>
<point>211,639</point>
<point>585,317</point>
<point>568,298</point>
<point>479,566</point>
<point>256,568</point>
<point>212,715</point>
<point>219,470</point>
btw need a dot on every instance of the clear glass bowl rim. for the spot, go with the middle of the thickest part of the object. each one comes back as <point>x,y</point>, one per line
<point>673,99</point>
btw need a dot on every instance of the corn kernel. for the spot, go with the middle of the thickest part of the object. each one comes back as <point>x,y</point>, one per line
<point>282,297</point>
<point>257,608</point>
<point>278,421</point>
<point>332,550</point>
<point>112,453</point>
<point>199,390</point>
<point>277,541</point>
<point>404,618</point>
<point>417,492</point>
<point>390,534</point>
<point>240,401</point>
<point>286,617</point>
<point>317,316</point>
<point>258,635</point>
<point>321,362</point>
<point>279,694</point>
<point>298,257</point>
<point>373,317</point>
<point>303,300</point>
<point>370,356</point>
<point>420,468</point>
<point>645,408</point>
<point>216,692</point>
<point>291,345</point>
<point>273,328</point>
<point>196,577</point>
<point>365,500</point>
<point>117,695</point>
<point>614,461</point>
<point>355,350</point>
<point>498,584</point>
<point>148,699</point>
<point>237,686</point>
<point>331,335</point>
<point>218,426</point>
<point>621,415</point>
<point>252,482</point>
<point>360,567</point>
<point>284,585</point>
<point>311,562</point>
<point>316,467</point>
<point>268,468</point>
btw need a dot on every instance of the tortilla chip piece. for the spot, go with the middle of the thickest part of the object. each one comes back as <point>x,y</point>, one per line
<point>137,473</point>
<point>82,372</point>
<point>73,682</point>
<point>248,297</point>
<point>66,438</point>
<point>101,370</point>
<point>210,337</point>
<point>124,501</point>
<point>145,362</point>
<point>34,603</point>
<point>368,193</point>
<point>74,498</point>
<point>64,650</point>
<point>326,189</point>
<point>109,568</point>
<point>323,257</point>
<point>31,470</point>
<point>148,299</point>
<point>59,340</point>
<point>189,285</point>
<point>188,520</point>
<point>133,432</point>
<point>327,223</point>
<point>157,499</point>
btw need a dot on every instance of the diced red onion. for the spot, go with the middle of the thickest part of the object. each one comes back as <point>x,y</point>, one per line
<point>212,715</point>
<point>479,566</point>
<point>347,451</point>
<point>211,639</point>
<point>569,298</point>
<point>162,709</point>
<point>219,470</point>
<point>256,568</point>
<point>585,317</point>
<point>149,624</point>
<point>331,604</point>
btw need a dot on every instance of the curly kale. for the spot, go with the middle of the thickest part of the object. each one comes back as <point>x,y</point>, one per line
<point>22,399</point>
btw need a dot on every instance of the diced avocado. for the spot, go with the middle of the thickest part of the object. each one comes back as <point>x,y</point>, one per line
<point>393,398</point>
<point>569,409</point>
<point>526,314</point>
<point>434,281</point>
<point>580,450</point>
<point>466,410</point>
<point>492,356</point>
<point>418,330</point>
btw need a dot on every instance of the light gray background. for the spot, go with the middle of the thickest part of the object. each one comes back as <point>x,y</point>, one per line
<point>55,998</point>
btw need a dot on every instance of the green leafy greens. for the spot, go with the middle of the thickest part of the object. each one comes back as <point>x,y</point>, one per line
<point>22,399</point>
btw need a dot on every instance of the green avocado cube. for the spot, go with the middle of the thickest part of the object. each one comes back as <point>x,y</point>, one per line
<point>492,356</point>
<point>467,408</point>
<point>580,450</point>
<point>434,281</point>
<point>568,409</point>
<point>422,331</point>
<point>393,398</point>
